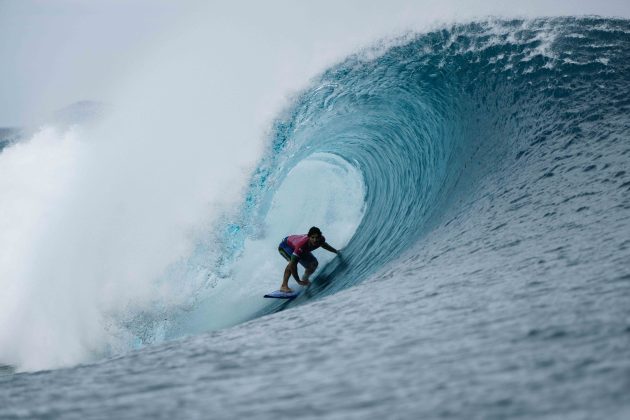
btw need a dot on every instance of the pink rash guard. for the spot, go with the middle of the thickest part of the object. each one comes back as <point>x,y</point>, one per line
<point>301,245</point>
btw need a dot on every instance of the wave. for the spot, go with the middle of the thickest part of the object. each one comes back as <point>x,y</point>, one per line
<point>426,120</point>
<point>398,141</point>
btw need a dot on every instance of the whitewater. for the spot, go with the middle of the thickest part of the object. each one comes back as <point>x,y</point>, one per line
<point>476,179</point>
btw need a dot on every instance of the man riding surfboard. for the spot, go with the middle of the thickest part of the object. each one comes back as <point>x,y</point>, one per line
<point>298,248</point>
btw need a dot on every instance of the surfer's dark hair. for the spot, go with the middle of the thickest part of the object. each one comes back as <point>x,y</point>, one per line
<point>314,231</point>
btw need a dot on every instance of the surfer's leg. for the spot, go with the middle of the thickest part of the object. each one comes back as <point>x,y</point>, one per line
<point>285,279</point>
<point>310,263</point>
<point>286,254</point>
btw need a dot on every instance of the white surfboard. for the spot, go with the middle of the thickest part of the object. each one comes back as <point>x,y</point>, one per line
<point>282,295</point>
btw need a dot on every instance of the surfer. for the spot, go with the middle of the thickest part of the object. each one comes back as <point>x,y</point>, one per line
<point>297,248</point>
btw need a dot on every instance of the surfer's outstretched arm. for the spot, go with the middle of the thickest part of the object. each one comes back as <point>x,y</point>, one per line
<point>329,248</point>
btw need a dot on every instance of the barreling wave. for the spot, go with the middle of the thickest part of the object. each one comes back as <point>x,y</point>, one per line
<point>427,116</point>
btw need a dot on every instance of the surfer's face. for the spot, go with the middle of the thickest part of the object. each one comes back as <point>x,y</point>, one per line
<point>314,239</point>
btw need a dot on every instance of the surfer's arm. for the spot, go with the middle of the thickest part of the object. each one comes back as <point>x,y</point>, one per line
<point>293,267</point>
<point>329,248</point>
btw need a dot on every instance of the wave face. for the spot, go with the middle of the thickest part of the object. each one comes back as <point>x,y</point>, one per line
<point>487,248</point>
<point>430,119</point>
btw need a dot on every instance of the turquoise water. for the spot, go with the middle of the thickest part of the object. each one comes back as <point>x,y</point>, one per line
<point>486,274</point>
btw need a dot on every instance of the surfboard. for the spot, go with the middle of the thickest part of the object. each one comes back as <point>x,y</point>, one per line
<point>282,295</point>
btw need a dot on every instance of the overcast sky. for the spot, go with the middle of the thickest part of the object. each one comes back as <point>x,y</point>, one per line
<point>57,52</point>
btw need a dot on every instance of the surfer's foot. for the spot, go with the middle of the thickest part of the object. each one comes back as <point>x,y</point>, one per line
<point>286,290</point>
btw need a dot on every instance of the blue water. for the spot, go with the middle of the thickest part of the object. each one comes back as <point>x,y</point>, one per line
<point>488,275</point>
